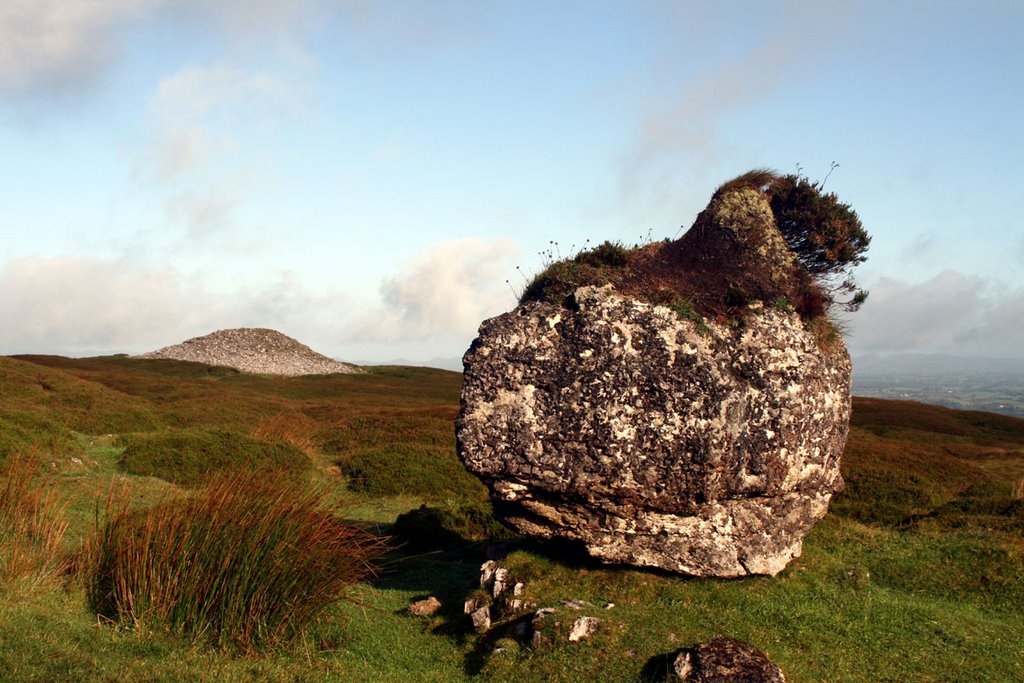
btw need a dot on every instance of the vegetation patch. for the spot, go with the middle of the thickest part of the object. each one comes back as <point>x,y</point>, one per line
<point>447,526</point>
<point>32,526</point>
<point>916,573</point>
<point>246,563</point>
<point>191,457</point>
<point>764,237</point>
<point>408,452</point>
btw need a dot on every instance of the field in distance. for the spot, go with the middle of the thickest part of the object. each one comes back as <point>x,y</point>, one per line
<point>917,573</point>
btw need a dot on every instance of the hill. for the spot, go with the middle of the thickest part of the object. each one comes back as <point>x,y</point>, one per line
<point>916,573</point>
<point>255,350</point>
<point>990,384</point>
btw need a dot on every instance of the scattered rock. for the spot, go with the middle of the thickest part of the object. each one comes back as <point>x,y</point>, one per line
<point>255,350</point>
<point>481,618</point>
<point>576,604</point>
<point>724,660</point>
<point>425,608</point>
<point>475,603</point>
<point>583,627</point>
<point>487,573</point>
<point>500,581</point>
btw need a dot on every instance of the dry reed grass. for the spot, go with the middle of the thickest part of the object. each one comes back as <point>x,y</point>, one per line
<point>32,526</point>
<point>245,563</point>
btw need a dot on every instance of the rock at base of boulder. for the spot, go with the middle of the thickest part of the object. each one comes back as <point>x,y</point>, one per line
<point>425,608</point>
<point>724,659</point>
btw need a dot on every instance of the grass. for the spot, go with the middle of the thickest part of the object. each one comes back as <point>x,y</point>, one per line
<point>190,457</point>
<point>32,527</point>
<point>248,562</point>
<point>917,573</point>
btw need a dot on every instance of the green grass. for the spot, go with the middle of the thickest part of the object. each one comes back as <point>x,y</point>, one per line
<point>190,457</point>
<point>917,573</point>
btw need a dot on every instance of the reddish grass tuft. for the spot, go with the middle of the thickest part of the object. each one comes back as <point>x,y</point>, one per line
<point>245,563</point>
<point>290,427</point>
<point>32,526</point>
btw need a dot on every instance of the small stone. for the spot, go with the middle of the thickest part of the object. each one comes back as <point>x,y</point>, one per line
<point>424,608</point>
<point>518,588</point>
<point>582,628</point>
<point>481,619</point>
<point>487,573</point>
<point>538,640</point>
<point>473,604</point>
<point>724,659</point>
<point>576,604</point>
<point>500,581</point>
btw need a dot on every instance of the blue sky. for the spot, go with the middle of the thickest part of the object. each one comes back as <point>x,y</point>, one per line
<point>365,176</point>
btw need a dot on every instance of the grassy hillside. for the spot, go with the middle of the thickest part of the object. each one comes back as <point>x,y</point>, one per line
<point>917,574</point>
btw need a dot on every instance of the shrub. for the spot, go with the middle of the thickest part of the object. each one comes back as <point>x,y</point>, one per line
<point>824,234</point>
<point>604,264</point>
<point>433,528</point>
<point>290,427</point>
<point>32,526</point>
<point>190,457</point>
<point>429,471</point>
<point>245,563</point>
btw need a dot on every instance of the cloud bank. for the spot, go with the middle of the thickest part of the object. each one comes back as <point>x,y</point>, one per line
<point>430,307</point>
<point>949,313</point>
<point>446,290</point>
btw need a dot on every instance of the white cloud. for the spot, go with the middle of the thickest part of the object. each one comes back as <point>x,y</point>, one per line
<point>202,114</point>
<point>64,305</point>
<point>74,306</point>
<point>445,291</point>
<point>52,47</point>
<point>58,44</point>
<point>679,138</point>
<point>432,306</point>
<point>949,313</point>
<point>203,214</point>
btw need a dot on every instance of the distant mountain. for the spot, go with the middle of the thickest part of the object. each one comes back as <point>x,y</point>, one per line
<point>932,364</point>
<point>256,350</point>
<point>991,384</point>
<point>453,364</point>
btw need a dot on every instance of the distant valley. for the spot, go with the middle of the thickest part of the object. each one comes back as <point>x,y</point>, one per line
<point>990,384</point>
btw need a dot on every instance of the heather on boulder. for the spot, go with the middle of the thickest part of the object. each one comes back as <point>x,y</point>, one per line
<point>764,237</point>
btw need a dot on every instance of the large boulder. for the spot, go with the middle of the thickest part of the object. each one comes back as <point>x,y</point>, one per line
<point>655,436</point>
<point>652,439</point>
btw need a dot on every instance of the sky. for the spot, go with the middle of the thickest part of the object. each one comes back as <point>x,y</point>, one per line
<point>376,177</point>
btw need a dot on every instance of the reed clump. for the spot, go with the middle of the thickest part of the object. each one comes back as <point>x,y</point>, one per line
<point>32,526</point>
<point>245,563</point>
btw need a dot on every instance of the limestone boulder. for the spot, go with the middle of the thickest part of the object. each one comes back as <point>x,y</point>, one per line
<point>654,439</point>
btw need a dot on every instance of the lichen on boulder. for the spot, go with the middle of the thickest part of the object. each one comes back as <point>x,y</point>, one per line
<point>655,415</point>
